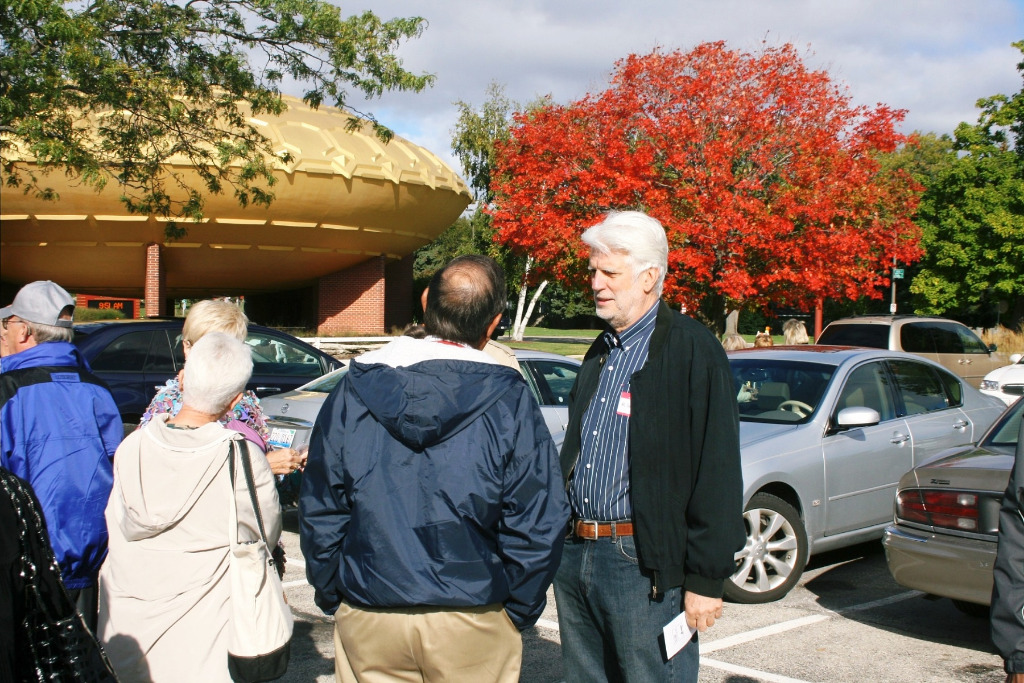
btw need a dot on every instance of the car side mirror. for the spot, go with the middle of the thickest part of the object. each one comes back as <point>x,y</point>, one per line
<point>992,347</point>
<point>857,416</point>
<point>1015,358</point>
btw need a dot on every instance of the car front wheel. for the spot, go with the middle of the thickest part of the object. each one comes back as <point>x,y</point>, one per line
<point>773,558</point>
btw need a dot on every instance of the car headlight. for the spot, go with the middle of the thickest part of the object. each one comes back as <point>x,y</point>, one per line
<point>989,385</point>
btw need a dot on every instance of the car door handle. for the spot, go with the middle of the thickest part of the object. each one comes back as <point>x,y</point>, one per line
<point>960,424</point>
<point>898,438</point>
<point>965,361</point>
<point>268,390</point>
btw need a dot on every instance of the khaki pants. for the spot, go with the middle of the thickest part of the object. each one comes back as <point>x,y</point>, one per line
<point>426,645</point>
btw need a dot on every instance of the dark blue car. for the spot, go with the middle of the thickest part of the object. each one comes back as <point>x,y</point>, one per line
<point>136,357</point>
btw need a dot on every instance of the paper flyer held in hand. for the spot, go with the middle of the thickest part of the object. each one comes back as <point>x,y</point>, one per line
<point>677,635</point>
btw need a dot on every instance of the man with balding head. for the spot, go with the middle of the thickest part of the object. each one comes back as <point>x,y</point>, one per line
<point>432,508</point>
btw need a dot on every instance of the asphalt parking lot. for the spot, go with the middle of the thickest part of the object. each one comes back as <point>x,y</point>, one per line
<point>846,621</point>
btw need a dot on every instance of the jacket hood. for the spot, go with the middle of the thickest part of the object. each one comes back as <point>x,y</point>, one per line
<point>59,353</point>
<point>160,473</point>
<point>424,391</point>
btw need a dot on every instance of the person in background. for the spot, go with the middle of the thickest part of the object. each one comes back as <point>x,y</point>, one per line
<point>1007,613</point>
<point>246,417</point>
<point>795,332</point>
<point>733,342</point>
<point>651,461</point>
<point>432,513</point>
<point>59,427</point>
<point>164,589</point>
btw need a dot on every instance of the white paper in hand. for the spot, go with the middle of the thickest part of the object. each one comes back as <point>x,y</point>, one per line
<point>677,635</point>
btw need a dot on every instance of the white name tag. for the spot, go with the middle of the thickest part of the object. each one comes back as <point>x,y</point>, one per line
<point>677,635</point>
<point>623,407</point>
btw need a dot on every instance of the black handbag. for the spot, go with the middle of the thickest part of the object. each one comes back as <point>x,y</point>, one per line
<point>54,644</point>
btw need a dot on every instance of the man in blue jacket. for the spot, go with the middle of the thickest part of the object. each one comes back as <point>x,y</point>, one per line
<point>432,510</point>
<point>59,428</point>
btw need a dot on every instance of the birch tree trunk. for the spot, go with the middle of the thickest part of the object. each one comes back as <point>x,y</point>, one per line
<point>520,328</point>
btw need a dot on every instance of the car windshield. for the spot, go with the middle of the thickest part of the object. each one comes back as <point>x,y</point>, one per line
<point>1005,432</point>
<point>779,391</point>
<point>326,384</point>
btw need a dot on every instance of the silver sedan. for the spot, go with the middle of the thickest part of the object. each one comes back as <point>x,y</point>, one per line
<point>826,433</point>
<point>291,415</point>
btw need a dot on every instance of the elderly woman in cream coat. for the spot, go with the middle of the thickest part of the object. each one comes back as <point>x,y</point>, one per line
<point>164,589</point>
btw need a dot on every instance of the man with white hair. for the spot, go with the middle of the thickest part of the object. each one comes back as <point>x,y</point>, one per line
<point>651,464</point>
<point>59,428</point>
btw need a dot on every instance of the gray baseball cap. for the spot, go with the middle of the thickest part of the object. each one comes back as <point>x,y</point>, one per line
<point>40,302</point>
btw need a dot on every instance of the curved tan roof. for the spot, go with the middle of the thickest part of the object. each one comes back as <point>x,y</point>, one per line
<point>344,198</point>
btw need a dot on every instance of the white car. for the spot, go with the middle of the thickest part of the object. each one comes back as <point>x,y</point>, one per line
<point>1006,383</point>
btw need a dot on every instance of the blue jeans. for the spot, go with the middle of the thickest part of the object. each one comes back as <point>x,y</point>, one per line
<point>610,628</point>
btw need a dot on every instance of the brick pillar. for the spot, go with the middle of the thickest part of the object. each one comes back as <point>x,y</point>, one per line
<point>155,282</point>
<point>352,300</point>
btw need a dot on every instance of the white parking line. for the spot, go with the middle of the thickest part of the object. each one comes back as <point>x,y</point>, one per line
<point>758,633</point>
<point>293,584</point>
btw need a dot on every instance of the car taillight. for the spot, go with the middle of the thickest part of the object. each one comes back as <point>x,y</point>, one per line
<point>957,510</point>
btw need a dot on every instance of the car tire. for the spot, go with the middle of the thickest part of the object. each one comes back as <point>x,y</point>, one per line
<point>773,558</point>
<point>972,609</point>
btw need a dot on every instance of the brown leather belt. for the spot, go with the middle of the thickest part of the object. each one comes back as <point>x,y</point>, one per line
<point>591,531</point>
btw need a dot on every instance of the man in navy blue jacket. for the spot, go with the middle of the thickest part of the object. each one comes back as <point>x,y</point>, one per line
<point>59,428</point>
<point>432,509</point>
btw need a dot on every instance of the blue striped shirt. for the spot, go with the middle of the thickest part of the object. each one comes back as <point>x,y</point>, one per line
<point>600,483</point>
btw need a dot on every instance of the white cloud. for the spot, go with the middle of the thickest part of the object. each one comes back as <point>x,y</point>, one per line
<point>934,58</point>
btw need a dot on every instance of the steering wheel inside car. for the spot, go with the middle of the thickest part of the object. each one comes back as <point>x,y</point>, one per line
<point>798,407</point>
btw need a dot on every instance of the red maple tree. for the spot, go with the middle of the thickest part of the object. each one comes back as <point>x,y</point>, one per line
<point>763,173</point>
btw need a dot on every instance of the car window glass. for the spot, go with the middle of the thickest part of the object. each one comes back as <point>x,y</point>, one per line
<point>161,358</point>
<point>559,378</point>
<point>868,387</point>
<point>1006,431</point>
<point>274,356</point>
<point>769,390</point>
<point>871,336</point>
<point>178,350</point>
<point>970,341</point>
<point>916,338</point>
<point>947,338</point>
<point>919,387</point>
<point>531,381</point>
<point>127,353</point>
<point>326,384</point>
<point>952,385</point>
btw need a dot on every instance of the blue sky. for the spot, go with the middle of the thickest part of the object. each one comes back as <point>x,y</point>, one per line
<point>934,58</point>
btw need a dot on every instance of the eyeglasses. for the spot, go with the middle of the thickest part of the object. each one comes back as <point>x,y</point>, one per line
<point>10,318</point>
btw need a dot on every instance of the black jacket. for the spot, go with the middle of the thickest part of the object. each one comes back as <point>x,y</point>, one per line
<point>685,478</point>
<point>1008,587</point>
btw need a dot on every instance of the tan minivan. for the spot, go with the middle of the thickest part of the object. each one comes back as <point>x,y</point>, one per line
<point>947,342</point>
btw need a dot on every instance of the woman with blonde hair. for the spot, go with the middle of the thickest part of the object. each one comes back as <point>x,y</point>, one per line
<point>246,417</point>
<point>164,587</point>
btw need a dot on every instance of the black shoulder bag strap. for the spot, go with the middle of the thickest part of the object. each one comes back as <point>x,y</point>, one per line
<point>249,482</point>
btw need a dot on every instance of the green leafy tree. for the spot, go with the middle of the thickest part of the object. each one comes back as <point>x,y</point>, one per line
<point>476,133</point>
<point>110,90</point>
<point>972,214</point>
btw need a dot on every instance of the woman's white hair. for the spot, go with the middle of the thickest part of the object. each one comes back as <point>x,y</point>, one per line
<point>218,368</point>
<point>636,235</point>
